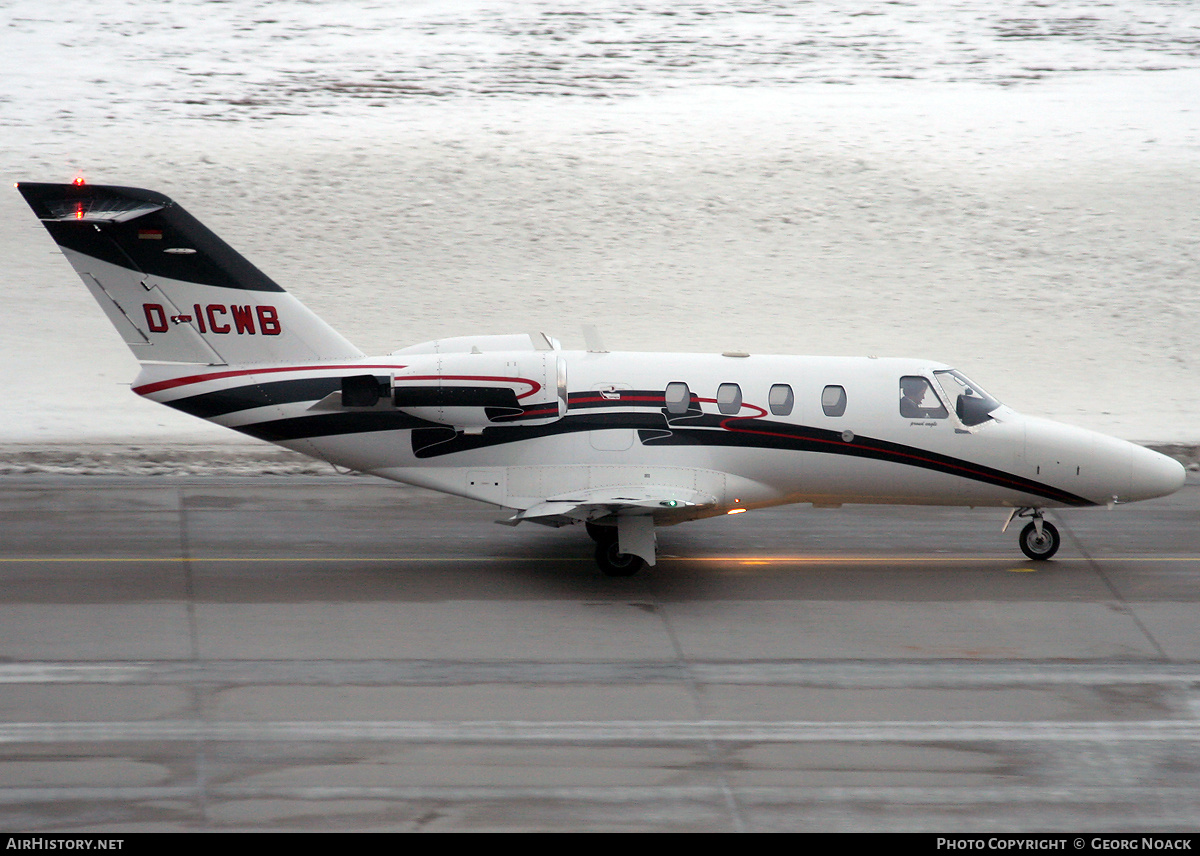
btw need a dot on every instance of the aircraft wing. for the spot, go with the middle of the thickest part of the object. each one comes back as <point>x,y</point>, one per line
<point>622,501</point>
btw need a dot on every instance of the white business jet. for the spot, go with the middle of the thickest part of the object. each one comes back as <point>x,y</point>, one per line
<point>621,442</point>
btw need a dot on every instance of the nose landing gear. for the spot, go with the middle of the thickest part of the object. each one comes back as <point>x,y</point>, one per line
<point>1039,540</point>
<point>1039,545</point>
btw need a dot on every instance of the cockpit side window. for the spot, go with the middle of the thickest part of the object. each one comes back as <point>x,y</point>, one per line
<point>918,400</point>
<point>972,405</point>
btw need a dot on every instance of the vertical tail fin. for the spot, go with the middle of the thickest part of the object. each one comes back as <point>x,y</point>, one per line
<point>175,291</point>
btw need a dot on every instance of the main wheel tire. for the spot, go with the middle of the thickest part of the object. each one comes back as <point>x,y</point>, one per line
<point>1040,547</point>
<point>600,534</point>
<point>614,563</point>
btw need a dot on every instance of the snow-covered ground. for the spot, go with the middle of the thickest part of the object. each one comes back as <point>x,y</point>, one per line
<point>1011,187</point>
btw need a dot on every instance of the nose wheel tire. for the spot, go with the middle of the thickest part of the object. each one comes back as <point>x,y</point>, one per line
<point>614,563</point>
<point>1040,547</point>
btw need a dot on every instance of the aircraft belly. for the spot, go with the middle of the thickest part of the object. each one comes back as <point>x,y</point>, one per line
<point>523,487</point>
<point>366,452</point>
<point>387,453</point>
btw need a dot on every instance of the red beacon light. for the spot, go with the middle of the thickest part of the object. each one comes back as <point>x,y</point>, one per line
<point>78,182</point>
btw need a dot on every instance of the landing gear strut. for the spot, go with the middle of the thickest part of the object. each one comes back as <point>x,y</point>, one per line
<point>1039,539</point>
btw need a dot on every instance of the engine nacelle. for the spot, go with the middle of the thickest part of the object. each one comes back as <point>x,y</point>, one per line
<point>473,391</point>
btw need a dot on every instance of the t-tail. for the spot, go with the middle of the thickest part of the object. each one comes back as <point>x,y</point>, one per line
<point>175,291</point>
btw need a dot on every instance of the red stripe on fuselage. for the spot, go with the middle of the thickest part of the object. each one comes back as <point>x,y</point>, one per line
<point>158,386</point>
<point>652,400</point>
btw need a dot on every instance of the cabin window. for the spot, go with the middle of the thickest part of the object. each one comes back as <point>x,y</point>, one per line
<point>677,398</point>
<point>833,400</point>
<point>919,401</point>
<point>781,399</point>
<point>729,398</point>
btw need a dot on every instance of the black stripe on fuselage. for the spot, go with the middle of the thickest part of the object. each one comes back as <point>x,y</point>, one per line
<point>251,395</point>
<point>715,430</point>
<point>580,402</point>
<point>767,435</point>
<point>332,424</point>
<point>655,428</point>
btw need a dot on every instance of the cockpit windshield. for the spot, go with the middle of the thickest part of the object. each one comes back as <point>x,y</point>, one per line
<point>972,404</point>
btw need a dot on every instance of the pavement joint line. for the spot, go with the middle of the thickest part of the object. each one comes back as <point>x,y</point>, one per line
<point>876,673</point>
<point>615,731</point>
<point>624,794</point>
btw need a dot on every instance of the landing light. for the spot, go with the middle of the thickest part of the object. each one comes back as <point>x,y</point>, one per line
<point>736,511</point>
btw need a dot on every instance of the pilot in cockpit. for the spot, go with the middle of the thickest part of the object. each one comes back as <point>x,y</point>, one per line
<point>913,393</point>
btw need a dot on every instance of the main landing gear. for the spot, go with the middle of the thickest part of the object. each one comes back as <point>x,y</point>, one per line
<point>612,561</point>
<point>1039,539</point>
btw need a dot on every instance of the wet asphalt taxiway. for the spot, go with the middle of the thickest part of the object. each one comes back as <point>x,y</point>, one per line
<point>336,653</point>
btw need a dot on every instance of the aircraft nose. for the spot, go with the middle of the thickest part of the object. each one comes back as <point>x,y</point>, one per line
<point>1154,474</point>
